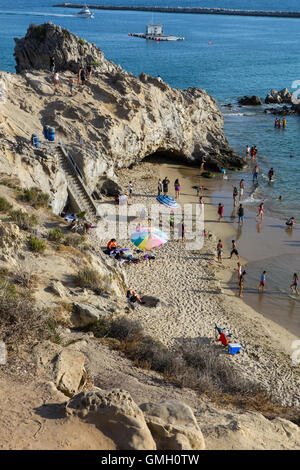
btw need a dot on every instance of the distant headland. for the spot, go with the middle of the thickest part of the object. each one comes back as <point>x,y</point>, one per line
<point>195,10</point>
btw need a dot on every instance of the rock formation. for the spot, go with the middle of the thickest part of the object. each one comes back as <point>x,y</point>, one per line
<point>250,101</point>
<point>173,426</point>
<point>116,414</point>
<point>279,97</point>
<point>118,119</point>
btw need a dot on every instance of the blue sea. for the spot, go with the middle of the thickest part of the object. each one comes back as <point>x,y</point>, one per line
<point>246,56</point>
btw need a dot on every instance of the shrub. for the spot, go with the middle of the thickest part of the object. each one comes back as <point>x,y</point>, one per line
<point>37,245</point>
<point>81,41</point>
<point>13,183</point>
<point>56,235</point>
<point>74,240</point>
<point>35,197</point>
<point>5,206</point>
<point>21,323</point>
<point>95,64</point>
<point>90,279</point>
<point>23,220</point>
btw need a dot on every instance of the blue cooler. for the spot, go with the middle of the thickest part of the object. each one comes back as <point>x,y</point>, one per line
<point>36,141</point>
<point>234,348</point>
<point>33,136</point>
<point>51,134</point>
<point>46,131</point>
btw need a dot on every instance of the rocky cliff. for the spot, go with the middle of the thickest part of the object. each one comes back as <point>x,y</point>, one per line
<point>117,119</point>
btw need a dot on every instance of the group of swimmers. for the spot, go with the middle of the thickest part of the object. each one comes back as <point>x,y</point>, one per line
<point>251,151</point>
<point>278,123</point>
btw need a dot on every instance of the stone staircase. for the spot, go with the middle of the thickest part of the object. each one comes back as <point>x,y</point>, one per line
<point>77,187</point>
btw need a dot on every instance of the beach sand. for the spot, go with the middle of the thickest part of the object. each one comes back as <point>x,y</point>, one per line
<point>197,291</point>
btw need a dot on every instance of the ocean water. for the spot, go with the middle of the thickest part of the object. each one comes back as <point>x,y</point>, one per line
<point>247,55</point>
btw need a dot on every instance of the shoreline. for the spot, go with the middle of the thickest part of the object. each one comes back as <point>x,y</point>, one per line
<point>196,294</point>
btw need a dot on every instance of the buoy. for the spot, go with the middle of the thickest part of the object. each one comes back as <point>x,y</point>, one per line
<point>209,43</point>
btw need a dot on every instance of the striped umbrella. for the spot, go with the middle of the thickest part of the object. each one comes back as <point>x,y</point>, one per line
<point>168,201</point>
<point>147,238</point>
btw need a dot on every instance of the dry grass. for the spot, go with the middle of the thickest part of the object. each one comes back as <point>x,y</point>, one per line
<point>23,220</point>
<point>35,197</point>
<point>89,278</point>
<point>198,368</point>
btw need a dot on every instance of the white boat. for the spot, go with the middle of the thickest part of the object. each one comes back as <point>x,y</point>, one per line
<point>85,12</point>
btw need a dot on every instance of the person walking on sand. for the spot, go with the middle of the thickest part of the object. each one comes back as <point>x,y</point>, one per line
<point>130,189</point>
<point>262,283</point>
<point>82,75</point>
<point>165,184</point>
<point>177,188</point>
<point>159,187</point>
<point>181,231</point>
<point>242,187</point>
<point>241,214</point>
<point>220,251</point>
<point>239,270</point>
<point>220,211</point>
<point>201,202</point>
<point>294,285</point>
<point>52,64</point>
<point>241,283</point>
<point>260,211</point>
<point>234,250</point>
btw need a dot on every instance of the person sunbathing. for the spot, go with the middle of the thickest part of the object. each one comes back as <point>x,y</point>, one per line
<point>133,297</point>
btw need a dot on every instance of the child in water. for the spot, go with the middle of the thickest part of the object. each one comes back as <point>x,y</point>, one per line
<point>294,285</point>
<point>262,283</point>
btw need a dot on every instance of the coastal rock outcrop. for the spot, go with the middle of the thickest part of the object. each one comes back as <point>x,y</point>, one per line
<point>173,426</point>
<point>279,97</point>
<point>118,119</point>
<point>70,51</point>
<point>116,414</point>
<point>250,101</point>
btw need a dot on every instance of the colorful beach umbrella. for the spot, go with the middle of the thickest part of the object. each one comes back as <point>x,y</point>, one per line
<point>168,201</point>
<point>147,238</point>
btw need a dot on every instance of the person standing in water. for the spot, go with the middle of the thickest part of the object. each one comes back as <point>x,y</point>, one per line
<point>262,283</point>
<point>248,151</point>
<point>271,174</point>
<point>294,285</point>
<point>235,195</point>
<point>241,214</point>
<point>260,211</point>
<point>255,174</point>
<point>242,187</point>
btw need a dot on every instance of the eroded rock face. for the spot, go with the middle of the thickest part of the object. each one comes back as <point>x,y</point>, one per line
<point>116,414</point>
<point>119,119</point>
<point>70,51</point>
<point>173,426</point>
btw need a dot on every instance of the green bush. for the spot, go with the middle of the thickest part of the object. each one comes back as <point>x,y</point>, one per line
<point>35,197</point>
<point>23,220</point>
<point>74,240</point>
<point>56,235</point>
<point>81,41</point>
<point>5,206</point>
<point>95,64</point>
<point>37,245</point>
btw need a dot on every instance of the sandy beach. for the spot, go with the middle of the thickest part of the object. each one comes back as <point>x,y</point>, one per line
<point>198,292</point>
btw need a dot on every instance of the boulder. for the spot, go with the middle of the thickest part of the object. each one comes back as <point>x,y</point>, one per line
<point>116,415</point>
<point>58,289</point>
<point>62,366</point>
<point>173,426</point>
<point>250,101</point>
<point>278,97</point>
<point>69,372</point>
<point>85,314</point>
<point>39,85</point>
